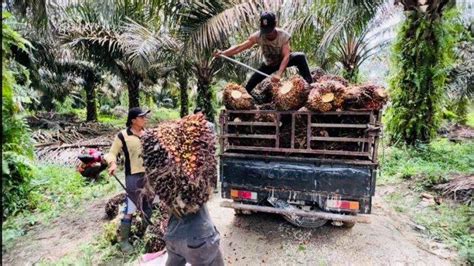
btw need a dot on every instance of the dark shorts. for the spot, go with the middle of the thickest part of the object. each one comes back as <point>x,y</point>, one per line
<point>134,183</point>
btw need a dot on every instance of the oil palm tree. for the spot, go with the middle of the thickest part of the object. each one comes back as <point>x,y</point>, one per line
<point>99,33</point>
<point>423,53</point>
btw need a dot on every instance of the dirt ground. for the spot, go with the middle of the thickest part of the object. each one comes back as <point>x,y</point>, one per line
<point>264,239</point>
<point>63,236</point>
<point>259,239</point>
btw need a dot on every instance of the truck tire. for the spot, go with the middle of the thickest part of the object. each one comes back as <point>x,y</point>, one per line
<point>306,222</point>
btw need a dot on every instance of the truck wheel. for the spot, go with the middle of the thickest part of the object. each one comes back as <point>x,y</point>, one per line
<point>305,222</point>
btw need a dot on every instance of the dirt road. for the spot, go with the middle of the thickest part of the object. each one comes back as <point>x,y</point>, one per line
<point>257,239</point>
<point>264,239</point>
<point>63,236</point>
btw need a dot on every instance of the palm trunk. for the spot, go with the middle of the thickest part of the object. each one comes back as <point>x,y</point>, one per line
<point>350,73</point>
<point>91,99</point>
<point>91,104</point>
<point>183,93</point>
<point>204,97</point>
<point>133,84</point>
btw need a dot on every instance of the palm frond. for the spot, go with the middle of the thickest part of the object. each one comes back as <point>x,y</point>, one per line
<point>95,42</point>
<point>143,47</point>
<point>210,24</point>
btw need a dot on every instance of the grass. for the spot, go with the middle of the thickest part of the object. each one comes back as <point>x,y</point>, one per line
<point>435,162</point>
<point>112,120</point>
<point>157,115</point>
<point>56,189</point>
<point>163,114</point>
<point>470,118</point>
<point>429,165</point>
<point>101,251</point>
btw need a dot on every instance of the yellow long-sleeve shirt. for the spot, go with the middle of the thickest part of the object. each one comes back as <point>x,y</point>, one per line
<point>133,153</point>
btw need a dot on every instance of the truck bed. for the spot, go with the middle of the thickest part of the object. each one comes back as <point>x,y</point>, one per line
<point>345,135</point>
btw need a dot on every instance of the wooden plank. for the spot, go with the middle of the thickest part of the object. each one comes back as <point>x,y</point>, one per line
<point>364,126</point>
<point>250,136</point>
<point>308,132</point>
<point>251,124</point>
<point>340,139</point>
<point>303,151</point>
<point>367,113</point>
<point>277,131</point>
<point>293,118</point>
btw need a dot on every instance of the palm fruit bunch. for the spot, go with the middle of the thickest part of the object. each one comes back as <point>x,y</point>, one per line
<point>186,180</point>
<point>326,96</point>
<point>291,95</point>
<point>112,206</point>
<point>317,73</point>
<point>155,232</point>
<point>366,96</point>
<point>237,98</point>
<point>262,93</point>
<point>152,234</point>
<point>265,117</point>
<point>328,77</point>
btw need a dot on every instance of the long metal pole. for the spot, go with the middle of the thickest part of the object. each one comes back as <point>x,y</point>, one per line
<point>244,65</point>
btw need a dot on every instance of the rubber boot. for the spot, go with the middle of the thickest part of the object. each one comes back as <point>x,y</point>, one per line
<point>125,227</point>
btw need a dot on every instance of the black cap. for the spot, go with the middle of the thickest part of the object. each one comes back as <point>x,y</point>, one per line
<point>197,110</point>
<point>267,22</point>
<point>134,113</point>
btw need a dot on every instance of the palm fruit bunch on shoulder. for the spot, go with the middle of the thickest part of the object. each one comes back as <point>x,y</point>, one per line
<point>317,73</point>
<point>326,96</point>
<point>186,173</point>
<point>329,77</point>
<point>112,206</point>
<point>237,98</point>
<point>291,94</point>
<point>366,96</point>
<point>263,92</point>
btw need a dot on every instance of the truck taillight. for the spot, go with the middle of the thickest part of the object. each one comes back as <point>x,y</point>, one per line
<point>342,204</point>
<point>241,194</point>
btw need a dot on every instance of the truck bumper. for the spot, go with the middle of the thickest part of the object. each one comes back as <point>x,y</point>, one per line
<point>316,214</point>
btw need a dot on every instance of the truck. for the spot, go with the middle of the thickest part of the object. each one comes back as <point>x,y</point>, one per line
<point>311,168</point>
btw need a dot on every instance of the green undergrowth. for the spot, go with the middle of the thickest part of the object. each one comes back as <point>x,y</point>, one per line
<point>450,223</point>
<point>55,190</point>
<point>112,120</point>
<point>422,168</point>
<point>429,164</point>
<point>163,114</point>
<point>101,251</point>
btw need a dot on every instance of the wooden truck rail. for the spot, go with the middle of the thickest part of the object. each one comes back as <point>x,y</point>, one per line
<point>319,132</point>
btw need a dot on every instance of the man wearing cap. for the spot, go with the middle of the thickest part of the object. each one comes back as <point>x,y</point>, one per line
<point>128,141</point>
<point>275,46</point>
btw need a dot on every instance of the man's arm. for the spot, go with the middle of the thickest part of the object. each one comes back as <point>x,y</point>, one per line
<point>285,51</point>
<point>251,41</point>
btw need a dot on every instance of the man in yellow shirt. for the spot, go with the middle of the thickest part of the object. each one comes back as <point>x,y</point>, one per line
<point>128,141</point>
